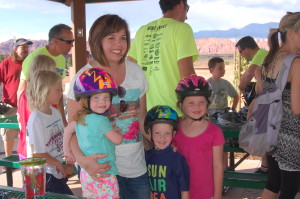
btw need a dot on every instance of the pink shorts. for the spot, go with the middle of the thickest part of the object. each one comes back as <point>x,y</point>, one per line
<point>107,189</point>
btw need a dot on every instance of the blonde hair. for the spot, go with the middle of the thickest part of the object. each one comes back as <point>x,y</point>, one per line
<point>41,62</point>
<point>290,21</point>
<point>38,88</point>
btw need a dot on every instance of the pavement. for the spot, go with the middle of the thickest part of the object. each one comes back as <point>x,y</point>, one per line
<point>74,183</point>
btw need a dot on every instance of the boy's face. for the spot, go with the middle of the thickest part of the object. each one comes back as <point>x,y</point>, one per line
<point>162,135</point>
<point>219,70</point>
<point>100,102</point>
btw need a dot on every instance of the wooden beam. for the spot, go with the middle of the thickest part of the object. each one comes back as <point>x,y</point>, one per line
<point>79,30</point>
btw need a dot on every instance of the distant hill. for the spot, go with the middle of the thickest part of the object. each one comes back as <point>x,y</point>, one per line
<point>208,42</point>
<point>254,30</point>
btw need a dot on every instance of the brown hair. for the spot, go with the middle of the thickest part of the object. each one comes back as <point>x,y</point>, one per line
<point>103,26</point>
<point>80,114</point>
<point>290,21</point>
<point>213,62</point>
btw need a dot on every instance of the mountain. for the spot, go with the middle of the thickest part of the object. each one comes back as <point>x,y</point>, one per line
<point>208,42</point>
<point>255,30</point>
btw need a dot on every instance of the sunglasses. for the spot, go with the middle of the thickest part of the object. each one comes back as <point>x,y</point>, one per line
<point>67,41</point>
<point>123,106</point>
<point>121,91</point>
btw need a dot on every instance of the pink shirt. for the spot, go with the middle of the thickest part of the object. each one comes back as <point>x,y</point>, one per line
<point>198,152</point>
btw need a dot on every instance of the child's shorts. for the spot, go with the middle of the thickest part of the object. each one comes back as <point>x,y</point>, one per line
<point>9,134</point>
<point>107,189</point>
<point>55,185</point>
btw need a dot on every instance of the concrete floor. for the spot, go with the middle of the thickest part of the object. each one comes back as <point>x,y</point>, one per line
<point>233,193</point>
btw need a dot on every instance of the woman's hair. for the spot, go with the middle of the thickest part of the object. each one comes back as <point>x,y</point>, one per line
<point>103,26</point>
<point>39,86</point>
<point>80,114</point>
<point>291,21</point>
<point>41,62</point>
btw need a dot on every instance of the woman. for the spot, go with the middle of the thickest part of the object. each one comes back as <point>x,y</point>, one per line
<point>284,164</point>
<point>109,41</point>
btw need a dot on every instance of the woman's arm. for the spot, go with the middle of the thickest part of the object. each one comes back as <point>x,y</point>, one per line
<point>143,112</point>
<point>218,171</point>
<point>295,85</point>
<point>68,132</point>
<point>258,77</point>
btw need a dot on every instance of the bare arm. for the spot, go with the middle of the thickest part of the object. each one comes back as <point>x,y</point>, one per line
<point>235,102</point>
<point>218,171</point>
<point>142,116</point>
<point>247,76</point>
<point>21,88</point>
<point>73,107</point>
<point>52,161</point>
<point>68,132</point>
<point>258,76</point>
<point>113,136</point>
<point>62,111</point>
<point>186,67</point>
<point>185,195</point>
<point>295,85</point>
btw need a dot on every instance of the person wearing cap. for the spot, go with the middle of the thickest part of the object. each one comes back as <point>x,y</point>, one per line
<point>60,43</point>
<point>10,70</point>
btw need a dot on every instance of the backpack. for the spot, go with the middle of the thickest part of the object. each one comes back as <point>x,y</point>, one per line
<point>259,134</point>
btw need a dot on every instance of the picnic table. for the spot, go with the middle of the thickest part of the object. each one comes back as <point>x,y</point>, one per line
<point>12,192</point>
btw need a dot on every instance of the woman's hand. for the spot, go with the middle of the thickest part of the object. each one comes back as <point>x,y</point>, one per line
<point>93,168</point>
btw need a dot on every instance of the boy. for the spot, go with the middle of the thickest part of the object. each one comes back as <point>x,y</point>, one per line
<point>221,87</point>
<point>167,170</point>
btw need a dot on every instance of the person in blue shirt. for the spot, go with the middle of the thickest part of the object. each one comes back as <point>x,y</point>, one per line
<point>168,171</point>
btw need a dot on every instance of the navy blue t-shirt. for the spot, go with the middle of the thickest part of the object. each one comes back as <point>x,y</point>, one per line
<point>168,173</point>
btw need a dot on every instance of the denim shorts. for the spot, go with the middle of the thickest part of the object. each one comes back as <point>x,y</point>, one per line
<point>133,188</point>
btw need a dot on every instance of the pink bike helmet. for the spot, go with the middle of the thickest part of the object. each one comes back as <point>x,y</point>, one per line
<point>193,86</point>
<point>94,80</point>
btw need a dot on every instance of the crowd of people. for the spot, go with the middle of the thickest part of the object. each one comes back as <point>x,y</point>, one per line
<point>147,90</point>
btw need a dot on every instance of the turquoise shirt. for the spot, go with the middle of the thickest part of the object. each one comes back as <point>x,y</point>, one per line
<point>92,139</point>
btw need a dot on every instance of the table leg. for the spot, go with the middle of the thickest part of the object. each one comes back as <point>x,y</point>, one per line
<point>9,177</point>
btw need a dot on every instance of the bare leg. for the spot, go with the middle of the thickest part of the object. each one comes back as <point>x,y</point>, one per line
<point>267,194</point>
<point>8,147</point>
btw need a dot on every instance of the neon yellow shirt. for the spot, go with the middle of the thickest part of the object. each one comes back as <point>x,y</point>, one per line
<point>157,47</point>
<point>59,60</point>
<point>259,57</point>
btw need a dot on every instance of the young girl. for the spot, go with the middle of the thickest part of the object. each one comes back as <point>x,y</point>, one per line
<point>45,128</point>
<point>199,140</point>
<point>40,62</point>
<point>109,41</point>
<point>167,170</point>
<point>94,89</point>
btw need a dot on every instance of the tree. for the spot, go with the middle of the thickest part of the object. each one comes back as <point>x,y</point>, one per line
<point>1,58</point>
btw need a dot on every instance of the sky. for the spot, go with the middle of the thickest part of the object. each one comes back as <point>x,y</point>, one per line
<point>32,19</point>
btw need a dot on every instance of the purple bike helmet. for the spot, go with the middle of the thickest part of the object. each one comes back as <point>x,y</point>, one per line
<point>193,86</point>
<point>94,80</point>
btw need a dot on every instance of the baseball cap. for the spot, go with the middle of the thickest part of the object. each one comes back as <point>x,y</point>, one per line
<point>21,41</point>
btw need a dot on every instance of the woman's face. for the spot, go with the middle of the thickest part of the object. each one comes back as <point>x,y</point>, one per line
<point>114,46</point>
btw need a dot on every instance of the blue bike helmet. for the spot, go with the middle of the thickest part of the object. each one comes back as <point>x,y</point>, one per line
<point>161,114</point>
